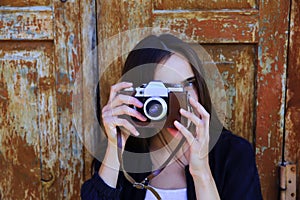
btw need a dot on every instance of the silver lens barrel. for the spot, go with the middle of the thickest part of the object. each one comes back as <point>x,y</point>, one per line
<point>155,108</point>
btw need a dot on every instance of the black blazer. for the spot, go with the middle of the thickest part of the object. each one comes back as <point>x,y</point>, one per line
<point>232,163</point>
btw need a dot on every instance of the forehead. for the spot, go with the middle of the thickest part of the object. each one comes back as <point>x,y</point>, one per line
<point>174,70</point>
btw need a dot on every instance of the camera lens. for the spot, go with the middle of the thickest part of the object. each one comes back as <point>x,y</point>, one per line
<point>155,108</point>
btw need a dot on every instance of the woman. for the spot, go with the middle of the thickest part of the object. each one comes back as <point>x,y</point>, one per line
<point>193,170</point>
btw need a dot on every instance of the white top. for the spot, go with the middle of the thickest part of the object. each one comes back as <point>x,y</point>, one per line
<point>167,194</point>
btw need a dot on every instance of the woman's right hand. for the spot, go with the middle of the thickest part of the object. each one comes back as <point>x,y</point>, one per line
<point>118,104</point>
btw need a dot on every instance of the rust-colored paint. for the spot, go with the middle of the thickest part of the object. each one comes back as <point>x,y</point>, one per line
<point>26,23</point>
<point>42,72</point>
<point>236,64</point>
<point>39,127</point>
<point>142,18</point>
<point>88,69</point>
<point>271,76</point>
<point>203,4</point>
<point>20,170</point>
<point>292,118</point>
<point>211,26</point>
<point>22,3</point>
<point>69,163</point>
<point>115,17</point>
<point>20,125</point>
<point>109,24</point>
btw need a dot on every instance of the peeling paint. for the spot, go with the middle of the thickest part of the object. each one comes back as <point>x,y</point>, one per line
<point>237,66</point>
<point>21,162</point>
<point>35,102</point>
<point>201,26</point>
<point>270,97</point>
<point>292,117</point>
<point>30,91</point>
<point>25,3</point>
<point>202,4</point>
<point>268,66</point>
<point>20,23</point>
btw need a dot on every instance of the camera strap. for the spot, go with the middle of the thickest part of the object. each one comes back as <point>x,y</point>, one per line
<point>145,182</point>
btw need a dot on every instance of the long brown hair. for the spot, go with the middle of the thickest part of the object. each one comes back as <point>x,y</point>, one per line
<point>153,50</point>
<point>139,68</point>
<point>143,60</point>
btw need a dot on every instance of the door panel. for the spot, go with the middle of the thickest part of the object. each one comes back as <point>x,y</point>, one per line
<point>292,116</point>
<point>24,3</point>
<point>20,140</point>
<point>210,26</point>
<point>40,52</point>
<point>26,23</point>
<point>271,76</point>
<point>203,5</point>
<point>236,64</point>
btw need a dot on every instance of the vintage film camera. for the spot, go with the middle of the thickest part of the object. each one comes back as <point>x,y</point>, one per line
<point>162,103</point>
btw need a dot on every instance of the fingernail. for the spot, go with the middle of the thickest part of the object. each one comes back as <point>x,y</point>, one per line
<point>176,122</point>
<point>140,104</point>
<point>182,110</point>
<point>192,99</point>
<point>137,133</point>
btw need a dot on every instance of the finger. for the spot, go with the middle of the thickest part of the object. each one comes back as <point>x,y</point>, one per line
<point>124,110</point>
<point>125,99</point>
<point>125,124</point>
<point>117,87</point>
<point>191,116</point>
<point>200,124</point>
<point>185,132</point>
<point>199,108</point>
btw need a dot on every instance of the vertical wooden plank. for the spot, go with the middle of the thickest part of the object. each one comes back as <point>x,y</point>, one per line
<point>67,58</point>
<point>29,23</point>
<point>116,20</point>
<point>87,78</point>
<point>236,63</point>
<point>47,119</point>
<point>109,25</point>
<point>19,124</point>
<point>292,126</point>
<point>271,76</point>
<point>131,19</point>
<point>121,20</point>
<point>135,25</point>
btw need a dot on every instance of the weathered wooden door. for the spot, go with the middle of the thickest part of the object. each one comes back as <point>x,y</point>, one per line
<point>247,39</point>
<point>41,156</point>
<point>42,47</point>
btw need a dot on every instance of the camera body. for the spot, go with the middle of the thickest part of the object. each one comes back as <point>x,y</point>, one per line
<point>161,104</point>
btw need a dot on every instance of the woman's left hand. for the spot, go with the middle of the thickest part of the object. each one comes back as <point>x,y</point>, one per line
<point>199,142</point>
